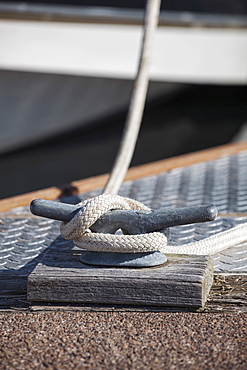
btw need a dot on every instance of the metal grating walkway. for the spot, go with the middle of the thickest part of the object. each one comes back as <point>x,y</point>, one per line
<point>24,239</point>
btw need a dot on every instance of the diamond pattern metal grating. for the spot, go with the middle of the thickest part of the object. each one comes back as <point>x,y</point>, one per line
<point>24,239</point>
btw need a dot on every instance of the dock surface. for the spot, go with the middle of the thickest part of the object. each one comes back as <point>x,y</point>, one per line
<point>105,336</point>
<point>122,340</point>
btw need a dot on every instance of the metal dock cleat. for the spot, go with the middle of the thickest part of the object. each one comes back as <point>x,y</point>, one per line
<point>130,222</point>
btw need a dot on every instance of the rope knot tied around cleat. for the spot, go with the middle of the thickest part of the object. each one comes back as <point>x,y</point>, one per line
<point>78,228</point>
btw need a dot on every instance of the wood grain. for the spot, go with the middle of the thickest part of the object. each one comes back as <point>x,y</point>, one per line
<point>182,281</point>
<point>133,174</point>
<point>228,294</point>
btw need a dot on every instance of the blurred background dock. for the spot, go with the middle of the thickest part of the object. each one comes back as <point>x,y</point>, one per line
<point>66,72</point>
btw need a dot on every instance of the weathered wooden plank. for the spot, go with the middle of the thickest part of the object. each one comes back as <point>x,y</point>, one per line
<point>61,277</point>
<point>13,291</point>
<point>12,285</point>
<point>228,293</point>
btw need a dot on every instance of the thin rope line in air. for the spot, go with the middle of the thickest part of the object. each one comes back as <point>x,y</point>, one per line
<point>135,113</point>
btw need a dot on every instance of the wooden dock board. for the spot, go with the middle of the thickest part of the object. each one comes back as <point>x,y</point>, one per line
<point>182,281</point>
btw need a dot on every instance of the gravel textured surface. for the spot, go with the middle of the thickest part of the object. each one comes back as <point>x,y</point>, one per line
<point>122,340</point>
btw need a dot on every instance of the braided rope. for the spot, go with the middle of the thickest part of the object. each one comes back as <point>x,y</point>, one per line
<point>78,230</point>
<point>137,102</point>
<point>213,244</point>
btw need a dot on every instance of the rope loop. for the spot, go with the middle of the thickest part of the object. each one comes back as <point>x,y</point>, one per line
<point>78,228</point>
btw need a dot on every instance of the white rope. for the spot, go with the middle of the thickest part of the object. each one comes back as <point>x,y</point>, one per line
<point>213,244</point>
<point>137,102</point>
<point>78,228</point>
<point>92,209</point>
